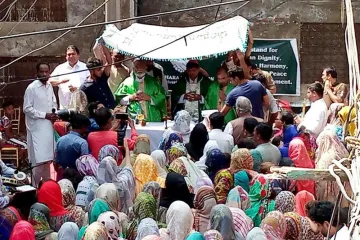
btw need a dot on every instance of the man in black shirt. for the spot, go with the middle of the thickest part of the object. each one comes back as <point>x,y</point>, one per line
<point>96,86</point>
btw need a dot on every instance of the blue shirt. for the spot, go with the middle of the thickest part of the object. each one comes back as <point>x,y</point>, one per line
<point>93,125</point>
<point>254,91</point>
<point>69,148</point>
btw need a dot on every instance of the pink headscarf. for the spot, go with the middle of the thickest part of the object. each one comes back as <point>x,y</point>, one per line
<point>23,230</point>
<point>301,159</point>
<point>301,199</point>
<point>87,165</point>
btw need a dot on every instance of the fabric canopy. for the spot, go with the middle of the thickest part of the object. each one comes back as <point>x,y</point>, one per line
<point>216,39</point>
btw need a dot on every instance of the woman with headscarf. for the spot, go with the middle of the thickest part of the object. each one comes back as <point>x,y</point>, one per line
<point>195,236</point>
<point>87,166</point>
<point>198,138</point>
<point>274,226</point>
<point>145,171</point>
<point>144,207</point>
<point>179,221</point>
<point>50,195</point>
<point>289,132</point>
<point>142,145</point>
<point>260,202</point>
<point>153,188</point>
<point>285,202</point>
<point>188,169</point>
<point>96,231</point>
<point>68,199</point>
<point>238,198</point>
<point>176,189</point>
<point>256,234</point>
<point>112,224</point>
<point>221,219</point>
<point>205,200</point>
<point>168,139</point>
<point>124,179</point>
<point>213,235</point>
<point>109,151</point>
<point>301,199</point>
<point>175,151</point>
<point>301,159</point>
<point>181,125</point>
<point>160,161</point>
<point>203,181</point>
<point>329,148</point>
<point>215,161</point>
<point>210,145</point>
<point>242,223</point>
<point>68,231</point>
<point>8,218</point>
<point>147,227</point>
<point>39,218</point>
<point>96,208</point>
<point>23,230</point>
<point>293,226</point>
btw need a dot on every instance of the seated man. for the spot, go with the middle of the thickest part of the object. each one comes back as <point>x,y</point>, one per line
<point>190,91</point>
<point>218,90</point>
<point>106,135</point>
<point>316,118</point>
<point>72,145</point>
<point>225,141</point>
<point>142,94</point>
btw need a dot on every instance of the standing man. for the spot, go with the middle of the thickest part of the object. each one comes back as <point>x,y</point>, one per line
<point>190,91</point>
<point>70,82</point>
<point>96,86</point>
<point>255,71</point>
<point>218,90</point>
<point>39,100</point>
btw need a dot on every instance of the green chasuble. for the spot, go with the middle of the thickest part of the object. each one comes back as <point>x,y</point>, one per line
<point>155,111</point>
<point>212,99</point>
<point>180,88</point>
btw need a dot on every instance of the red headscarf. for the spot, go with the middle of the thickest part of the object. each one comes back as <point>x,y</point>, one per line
<point>301,159</point>
<point>61,127</point>
<point>301,199</point>
<point>50,195</point>
<point>23,230</point>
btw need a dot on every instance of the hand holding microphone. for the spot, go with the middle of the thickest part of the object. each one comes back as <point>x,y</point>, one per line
<point>52,116</point>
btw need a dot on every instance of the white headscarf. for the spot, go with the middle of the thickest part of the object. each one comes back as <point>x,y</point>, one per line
<point>182,124</point>
<point>160,160</point>
<point>68,231</point>
<point>210,145</point>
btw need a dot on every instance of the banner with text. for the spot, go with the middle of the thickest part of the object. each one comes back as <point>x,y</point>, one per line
<point>277,56</point>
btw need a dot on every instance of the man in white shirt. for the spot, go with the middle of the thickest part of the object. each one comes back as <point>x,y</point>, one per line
<point>39,100</point>
<point>70,82</point>
<point>316,118</point>
<point>225,141</point>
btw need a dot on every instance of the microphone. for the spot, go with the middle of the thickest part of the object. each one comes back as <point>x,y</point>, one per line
<point>53,110</point>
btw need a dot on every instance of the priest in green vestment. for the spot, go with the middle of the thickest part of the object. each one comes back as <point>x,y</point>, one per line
<point>218,90</point>
<point>143,94</point>
<point>190,91</point>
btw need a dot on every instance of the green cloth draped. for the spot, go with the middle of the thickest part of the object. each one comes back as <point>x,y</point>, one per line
<point>152,88</point>
<point>211,100</point>
<point>257,158</point>
<point>259,200</point>
<point>242,179</point>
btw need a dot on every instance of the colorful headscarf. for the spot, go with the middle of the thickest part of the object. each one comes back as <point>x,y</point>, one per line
<point>169,138</point>
<point>23,230</point>
<point>210,145</point>
<point>68,231</point>
<point>87,165</point>
<point>205,200</point>
<point>242,223</point>
<point>241,178</point>
<point>68,200</point>
<point>213,235</point>
<point>215,161</point>
<point>97,207</point>
<point>301,199</point>
<point>293,225</point>
<point>50,195</point>
<point>61,127</point>
<point>179,220</point>
<point>142,145</point>
<point>256,234</point>
<point>147,227</point>
<point>195,236</point>
<point>160,161</point>
<point>109,151</point>
<point>238,198</point>
<point>175,151</point>
<point>112,224</point>
<point>221,219</point>
<point>241,159</point>
<point>153,188</point>
<point>274,225</point>
<point>109,193</point>
<point>96,231</point>
<point>257,159</point>
<point>39,218</point>
<point>260,204</point>
<point>224,182</point>
<point>145,171</point>
<point>285,202</point>
<point>8,218</point>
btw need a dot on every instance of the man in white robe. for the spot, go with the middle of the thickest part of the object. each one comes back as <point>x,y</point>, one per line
<point>39,100</point>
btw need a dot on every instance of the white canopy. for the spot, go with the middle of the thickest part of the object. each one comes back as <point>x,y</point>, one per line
<point>217,39</point>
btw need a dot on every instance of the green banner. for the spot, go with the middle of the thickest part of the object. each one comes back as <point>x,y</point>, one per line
<point>278,56</point>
